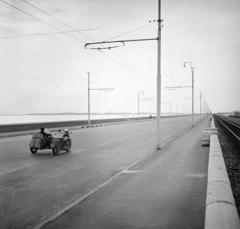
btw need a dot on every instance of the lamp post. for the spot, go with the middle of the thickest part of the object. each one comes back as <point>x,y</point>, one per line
<point>185,64</point>
<point>139,93</point>
<point>89,96</point>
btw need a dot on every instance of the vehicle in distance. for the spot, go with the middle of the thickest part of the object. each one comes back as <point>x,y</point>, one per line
<point>55,141</point>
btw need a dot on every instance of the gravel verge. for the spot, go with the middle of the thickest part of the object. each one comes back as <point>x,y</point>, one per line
<point>231,154</point>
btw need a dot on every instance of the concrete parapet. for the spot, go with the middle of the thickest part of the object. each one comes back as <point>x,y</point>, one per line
<point>5,128</point>
<point>207,132</point>
<point>213,123</point>
<point>221,210</point>
<point>221,216</point>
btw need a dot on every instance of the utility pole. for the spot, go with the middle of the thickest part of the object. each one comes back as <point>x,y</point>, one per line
<point>88,98</point>
<point>159,75</point>
<point>89,89</point>
<point>140,92</point>
<point>158,65</point>
<point>192,71</point>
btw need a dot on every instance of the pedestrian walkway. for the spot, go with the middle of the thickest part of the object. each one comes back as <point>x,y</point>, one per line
<point>166,190</point>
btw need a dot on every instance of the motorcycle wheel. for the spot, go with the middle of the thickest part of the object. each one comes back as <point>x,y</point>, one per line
<point>68,145</point>
<point>56,149</point>
<point>33,150</point>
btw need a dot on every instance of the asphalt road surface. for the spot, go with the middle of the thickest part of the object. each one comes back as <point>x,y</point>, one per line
<point>113,178</point>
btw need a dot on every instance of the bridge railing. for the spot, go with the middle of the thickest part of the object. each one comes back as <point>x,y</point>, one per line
<point>221,210</point>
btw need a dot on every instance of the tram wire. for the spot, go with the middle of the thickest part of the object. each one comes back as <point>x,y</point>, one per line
<point>127,63</point>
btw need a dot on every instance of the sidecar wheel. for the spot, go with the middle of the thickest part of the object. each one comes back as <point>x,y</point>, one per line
<point>33,150</point>
<point>56,149</point>
<point>68,146</point>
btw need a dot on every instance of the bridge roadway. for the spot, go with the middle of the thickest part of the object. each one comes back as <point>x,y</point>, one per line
<point>113,178</point>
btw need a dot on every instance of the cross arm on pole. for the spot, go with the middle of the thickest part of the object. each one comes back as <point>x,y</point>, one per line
<point>117,41</point>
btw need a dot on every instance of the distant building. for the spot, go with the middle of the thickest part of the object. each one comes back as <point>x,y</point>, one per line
<point>236,114</point>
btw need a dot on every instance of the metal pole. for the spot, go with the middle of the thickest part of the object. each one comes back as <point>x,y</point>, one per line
<point>192,96</point>
<point>159,75</point>
<point>138,104</point>
<point>200,102</point>
<point>88,98</point>
<point>140,92</point>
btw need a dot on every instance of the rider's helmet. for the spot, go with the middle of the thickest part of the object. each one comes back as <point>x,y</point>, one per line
<point>42,130</point>
<point>66,132</point>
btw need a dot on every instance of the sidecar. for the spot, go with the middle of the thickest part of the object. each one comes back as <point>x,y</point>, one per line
<point>40,141</point>
<point>55,141</point>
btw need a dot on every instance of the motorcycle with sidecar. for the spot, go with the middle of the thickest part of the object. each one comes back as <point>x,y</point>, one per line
<point>55,141</point>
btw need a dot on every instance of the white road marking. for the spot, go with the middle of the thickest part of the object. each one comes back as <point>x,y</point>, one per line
<point>130,171</point>
<point>105,143</point>
<point>76,151</point>
<point>195,175</point>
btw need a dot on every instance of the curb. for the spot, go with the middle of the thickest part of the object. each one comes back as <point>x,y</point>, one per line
<point>221,210</point>
<point>207,132</point>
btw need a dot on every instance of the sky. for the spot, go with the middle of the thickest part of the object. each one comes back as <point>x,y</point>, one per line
<point>44,65</point>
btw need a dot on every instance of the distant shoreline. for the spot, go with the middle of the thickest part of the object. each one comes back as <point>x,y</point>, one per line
<point>65,113</point>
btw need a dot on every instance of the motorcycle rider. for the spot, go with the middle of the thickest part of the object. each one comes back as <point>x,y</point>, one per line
<point>66,133</point>
<point>46,137</point>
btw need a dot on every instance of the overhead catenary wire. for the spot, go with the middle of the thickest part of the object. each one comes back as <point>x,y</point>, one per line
<point>54,18</point>
<point>128,65</point>
<point>44,34</point>
<point>69,26</point>
<point>128,32</point>
<point>38,19</point>
<point>127,61</point>
<point>119,56</point>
